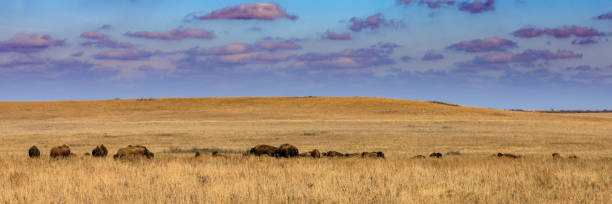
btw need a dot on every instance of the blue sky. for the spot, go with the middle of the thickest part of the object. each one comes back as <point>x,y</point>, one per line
<point>502,54</point>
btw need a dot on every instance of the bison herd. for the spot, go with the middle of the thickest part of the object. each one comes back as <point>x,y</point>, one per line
<point>131,151</point>
<point>283,151</point>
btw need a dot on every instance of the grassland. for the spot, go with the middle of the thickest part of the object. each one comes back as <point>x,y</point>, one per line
<point>400,128</point>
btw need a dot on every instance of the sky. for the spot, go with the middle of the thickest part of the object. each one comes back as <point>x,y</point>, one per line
<point>510,54</point>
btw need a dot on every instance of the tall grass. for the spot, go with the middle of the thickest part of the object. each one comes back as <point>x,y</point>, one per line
<point>176,178</point>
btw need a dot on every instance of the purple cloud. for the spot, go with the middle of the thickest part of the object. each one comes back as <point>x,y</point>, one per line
<point>223,50</point>
<point>584,41</point>
<point>498,61</point>
<point>93,34</point>
<point>174,34</point>
<point>563,32</point>
<point>127,54</point>
<point>376,55</point>
<point>372,22</point>
<point>406,58</point>
<point>607,16</point>
<point>336,36</point>
<point>477,6</point>
<point>25,43</point>
<point>273,46</point>
<point>104,27</point>
<point>432,56</point>
<point>77,54</point>
<point>484,45</point>
<point>259,11</point>
<point>589,74</point>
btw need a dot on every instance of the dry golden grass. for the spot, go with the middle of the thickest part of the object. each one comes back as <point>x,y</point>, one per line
<point>400,128</point>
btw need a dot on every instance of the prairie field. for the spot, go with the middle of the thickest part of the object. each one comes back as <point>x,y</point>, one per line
<point>174,128</point>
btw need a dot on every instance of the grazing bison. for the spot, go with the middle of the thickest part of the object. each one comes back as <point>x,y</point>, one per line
<point>556,156</point>
<point>512,156</point>
<point>287,150</point>
<point>197,154</point>
<point>453,153</point>
<point>33,152</point>
<point>573,157</point>
<point>373,155</point>
<point>60,151</point>
<point>87,154</point>
<point>99,151</point>
<point>133,151</point>
<point>263,150</point>
<point>334,154</point>
<point>419,157</point>
<point>436,155</point>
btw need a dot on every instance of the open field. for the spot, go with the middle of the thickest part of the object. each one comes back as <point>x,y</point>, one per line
<point>399,128</point>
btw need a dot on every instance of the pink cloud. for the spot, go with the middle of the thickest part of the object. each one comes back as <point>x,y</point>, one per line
<point>273,46</point>
<point>336,36</point>
<point>484,45</point>
<point>93,34</point>
<point>372,22</point>
<point>26,43</point>
<point>259,11</point>
<point>174,34</point>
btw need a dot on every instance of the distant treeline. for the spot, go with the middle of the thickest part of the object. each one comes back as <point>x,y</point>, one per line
<point>564,111</point>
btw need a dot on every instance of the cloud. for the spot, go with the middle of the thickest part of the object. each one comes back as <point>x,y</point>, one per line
<point>126,54</point>
<point>258,11</point>
<point>477,6</point>
<point>406,58</point>
<point>174,34</point>
<point>28,43</point>
<point>222,50</point>
<point>273,46</point>
<point>372,22</point>
<point>336,36</point>
<point>376,55</point>
<point>432,56</point>
<point>498,61</point>
<point>77,54</point>
<point>607,16</point>
<point>589,74</point>
<point>34,66</point>
<point>484,45</point>
<point>584,41</point>
<point>107,43</point>
<point>562,32</point>
<point>104,27</point>
<point>93,34</point>
<point>436,3</point>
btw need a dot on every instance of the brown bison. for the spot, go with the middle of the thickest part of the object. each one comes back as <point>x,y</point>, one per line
<point>352,154</point>
<point>419,157</point>
<point>287,150</point>
<point>133,151</point>
<point>512,156</point>
<point>334,154</point>
<point>60,151</point>
<point>34,152</point>
<point>373,155</point>
<point>556,156</point>
<point>99,151</point>
<point>263,150</point>
<point>436,155</point>
<point>315,153</point>
<point>197,154</point>
<point>573,157</point>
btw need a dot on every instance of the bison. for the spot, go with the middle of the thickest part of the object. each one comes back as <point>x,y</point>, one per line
<point>287,150</point>
<point>263,150</point>
<point>512,156</point>
<point>99,151</point>
<point>133,151</point>
<point>60,151</point>
<point>334,154</point>
<point>315,153</point>
<point>573,157</point>
<point>197,154</point>
<point>373,155</point>
<point>33,152</point>
<point>352,154</point>
<point>436,155</point>
<point>419,157</point>
<point>556,156</point>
